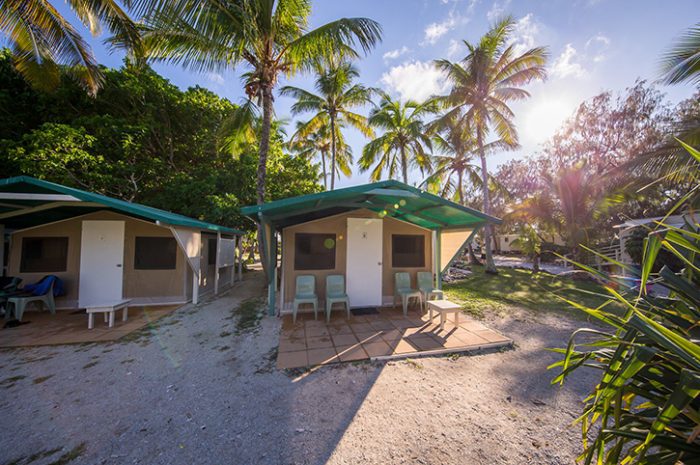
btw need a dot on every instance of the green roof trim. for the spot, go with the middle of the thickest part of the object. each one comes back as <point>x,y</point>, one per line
<point>388,198</point>
<point>29,185</point>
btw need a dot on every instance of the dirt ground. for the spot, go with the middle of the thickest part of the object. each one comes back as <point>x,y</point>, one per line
<point>201,388</point>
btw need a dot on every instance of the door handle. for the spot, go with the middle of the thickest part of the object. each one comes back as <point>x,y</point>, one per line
<point>119,265</point>
<point>379,263</point>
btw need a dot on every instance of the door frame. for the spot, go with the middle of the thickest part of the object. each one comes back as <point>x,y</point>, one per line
<point>118,286</point>
<point>364,270</point>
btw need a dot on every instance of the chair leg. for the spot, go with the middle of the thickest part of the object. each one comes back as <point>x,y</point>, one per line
<point>347,306</point>
<point>19,309</point>
<point>404,301</point>
<point>315,310</point>
<point>295,308</point>
<point>91,320</point>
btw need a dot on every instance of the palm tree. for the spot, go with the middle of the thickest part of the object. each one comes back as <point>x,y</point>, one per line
<point>271,37</point>
<point>311,140</point>
<point>337,95</point>
<point>483,83</point>
<point>41,39</point>
<point>404,141</point>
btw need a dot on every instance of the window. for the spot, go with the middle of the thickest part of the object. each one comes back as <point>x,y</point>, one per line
<point>155,253</point>
<point>44,254</point>
<point>407,251</point>
<point>314,251</point>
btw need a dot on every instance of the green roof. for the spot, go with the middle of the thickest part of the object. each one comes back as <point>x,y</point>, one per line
<point>45,209</point>
<point>387,198</point>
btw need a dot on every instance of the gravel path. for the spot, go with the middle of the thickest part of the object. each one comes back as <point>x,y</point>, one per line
<point>195,391</point>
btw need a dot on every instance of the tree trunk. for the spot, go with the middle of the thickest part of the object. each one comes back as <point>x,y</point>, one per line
<point>488,230</point>
<point>473,259</point>
<point>536,263</point>
<point>404,165</point>
<point>460,192</point>
<point>325,175</point>
<point>332,118</point>
<point>264,148</point>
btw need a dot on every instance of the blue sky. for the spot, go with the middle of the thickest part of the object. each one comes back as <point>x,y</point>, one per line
<point>594,45</point>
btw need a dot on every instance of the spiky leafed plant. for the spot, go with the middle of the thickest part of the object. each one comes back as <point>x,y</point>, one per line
<point>681,62</point>
<point>645,407</point>
<point>41,39</point>
<point>483,84</point>
<point>337,96</point>
<point>405,141</point>
<point>271,37</point>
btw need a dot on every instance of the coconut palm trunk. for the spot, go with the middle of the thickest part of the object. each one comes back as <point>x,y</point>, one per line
<point>325,173</point>
<point>404,164</point>
<point>488,230</point>
<point>332,119</point>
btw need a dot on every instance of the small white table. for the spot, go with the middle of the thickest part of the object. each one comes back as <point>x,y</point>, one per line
<point>108,308</point>
<point>443,307</point>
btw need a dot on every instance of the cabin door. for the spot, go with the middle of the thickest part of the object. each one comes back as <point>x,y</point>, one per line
<point>101,262</point>
<point>364,262</point>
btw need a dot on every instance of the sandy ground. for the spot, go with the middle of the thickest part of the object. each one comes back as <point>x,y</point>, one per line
<point>194,391</point>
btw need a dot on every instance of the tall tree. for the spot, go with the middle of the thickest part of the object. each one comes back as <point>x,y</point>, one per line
<point>270,36</point>
<point>681,62</point>
<point>41,39</point>
<point>403,142</point>
<point>337,96</point>
<point>483,83</point>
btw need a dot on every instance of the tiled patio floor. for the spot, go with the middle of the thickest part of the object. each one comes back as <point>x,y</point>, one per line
<point>389,334</point>
<point>70,327</point>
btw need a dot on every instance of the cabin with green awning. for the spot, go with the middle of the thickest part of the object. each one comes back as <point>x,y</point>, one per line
<point>366,233</point>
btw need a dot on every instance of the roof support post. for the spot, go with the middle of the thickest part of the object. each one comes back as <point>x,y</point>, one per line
<point>195,288</point>
<point>217,262</point>
<point>438,253</point>
<point>2,249</point>
<point>272,285</point>
<point>240,258</point>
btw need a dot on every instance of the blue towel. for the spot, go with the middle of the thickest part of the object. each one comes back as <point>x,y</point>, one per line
<point>42,287</point>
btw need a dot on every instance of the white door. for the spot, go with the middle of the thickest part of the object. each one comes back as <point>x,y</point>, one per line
<point>364,262</point>
<point>101,267</point>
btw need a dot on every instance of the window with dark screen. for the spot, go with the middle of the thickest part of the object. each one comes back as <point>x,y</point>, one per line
<point>155,253</point>
<point>44,254</point>
<point>314,251</point>
<point>407,251</point>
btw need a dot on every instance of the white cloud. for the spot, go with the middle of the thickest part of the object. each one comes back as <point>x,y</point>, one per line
<point>415,80</point>
<point>436,30</point>
<point>567,65</point>
<point>525,34</point>
<point>394,54</point>
<point>455,49</point>
<point>216,78</point>
<point>498,10</point>
<point>598,46</point>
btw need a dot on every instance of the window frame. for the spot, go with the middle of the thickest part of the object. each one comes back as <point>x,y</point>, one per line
<point>420,263</point>
<point>322,237</point>
<point>23,254</point>
<point>166,267</point>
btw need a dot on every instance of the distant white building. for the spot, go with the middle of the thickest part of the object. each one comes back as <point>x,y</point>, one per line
<point>505,241</point>
<point>625,231</point>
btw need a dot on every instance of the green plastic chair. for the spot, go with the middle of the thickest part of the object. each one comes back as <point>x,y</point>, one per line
<point>305,294</point>
<point>17,304</point>
<point>426,288</point>
<point>404,291</point>
<point>335,294</point>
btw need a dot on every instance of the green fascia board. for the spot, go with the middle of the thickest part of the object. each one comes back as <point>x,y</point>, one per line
<point>144,211</point>
<point>387,191</point>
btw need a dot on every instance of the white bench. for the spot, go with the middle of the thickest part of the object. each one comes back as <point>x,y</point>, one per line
<point>443,307</point>
<point>108,309</point>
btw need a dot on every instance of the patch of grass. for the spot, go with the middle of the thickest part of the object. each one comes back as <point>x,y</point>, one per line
<point>127,360</point>
<point>224,334</point>
<point>249,314</point>
<point>34,457</point>
<point>71,455</point>
<point>414,364</point>
<point>269,359</point>
<point>9,382</point>
<point>41,379</point>
<point>535,291</point>
<point>91,364</point>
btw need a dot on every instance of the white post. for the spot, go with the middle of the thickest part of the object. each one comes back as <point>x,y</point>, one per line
<point>195,287</point>
<point>233,264</point>
<point>217,263</point>
<point>240,258</point>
